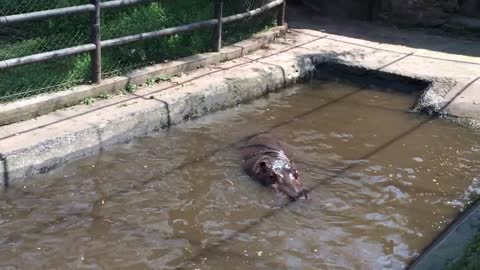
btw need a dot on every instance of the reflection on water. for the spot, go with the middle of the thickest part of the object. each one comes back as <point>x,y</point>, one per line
<point>385,183</point>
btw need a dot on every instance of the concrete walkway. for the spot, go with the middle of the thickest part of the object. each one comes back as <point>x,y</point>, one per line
<point>451,66</point>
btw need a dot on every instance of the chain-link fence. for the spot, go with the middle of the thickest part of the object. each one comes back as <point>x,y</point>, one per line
<point>237,31</point>
<point>10,7</point>
<point>28,38</point>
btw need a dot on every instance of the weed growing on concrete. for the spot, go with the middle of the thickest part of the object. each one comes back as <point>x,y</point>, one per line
<point>131,88</point>
<point>89,101</point>
<point>150,81</point>
<point>104,95</point>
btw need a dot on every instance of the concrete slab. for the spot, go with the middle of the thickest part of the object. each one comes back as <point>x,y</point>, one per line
<point>465,102</point>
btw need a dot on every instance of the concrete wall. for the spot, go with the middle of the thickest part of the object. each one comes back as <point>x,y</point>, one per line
<point>413,12</point>
<point>352,9</point>
<point>470,8</point>
<point>426,12</point>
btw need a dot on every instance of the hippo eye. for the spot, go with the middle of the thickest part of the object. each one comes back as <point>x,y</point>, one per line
<point>295,173</point>
<point>274,179</point>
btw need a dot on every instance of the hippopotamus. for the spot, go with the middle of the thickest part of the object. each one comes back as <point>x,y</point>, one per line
<point>265,160</point>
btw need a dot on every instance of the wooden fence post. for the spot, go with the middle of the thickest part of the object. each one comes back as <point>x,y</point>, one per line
<point>281,13</point>
<point>96,55</point>
<point>217,32</point>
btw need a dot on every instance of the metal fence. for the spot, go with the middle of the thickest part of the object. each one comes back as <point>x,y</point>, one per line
<point>86,43</point>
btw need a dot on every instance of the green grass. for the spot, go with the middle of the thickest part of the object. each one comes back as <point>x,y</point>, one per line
<point>471,257</point>
<point>41,36</point>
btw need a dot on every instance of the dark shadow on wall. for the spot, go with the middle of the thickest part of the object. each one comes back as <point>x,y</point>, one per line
<point>300,17</point>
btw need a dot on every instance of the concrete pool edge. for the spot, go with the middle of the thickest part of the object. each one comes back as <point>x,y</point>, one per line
<point>34,146</point>
<point>450,244</point>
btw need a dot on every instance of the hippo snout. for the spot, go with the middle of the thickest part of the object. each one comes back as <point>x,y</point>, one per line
<point>293,193</point>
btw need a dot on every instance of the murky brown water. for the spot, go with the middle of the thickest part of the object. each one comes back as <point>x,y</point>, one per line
<point>385,183</point>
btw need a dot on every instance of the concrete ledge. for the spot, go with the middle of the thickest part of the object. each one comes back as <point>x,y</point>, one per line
<point>43,104</point>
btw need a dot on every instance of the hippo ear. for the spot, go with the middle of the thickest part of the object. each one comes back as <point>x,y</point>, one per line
<point>263,166</point>
<point>296,174</point>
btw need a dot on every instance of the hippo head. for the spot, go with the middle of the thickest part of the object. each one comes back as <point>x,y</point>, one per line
<point>282,175</point>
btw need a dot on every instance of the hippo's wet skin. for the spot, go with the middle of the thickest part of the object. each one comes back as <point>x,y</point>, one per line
<point>265,160</point>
